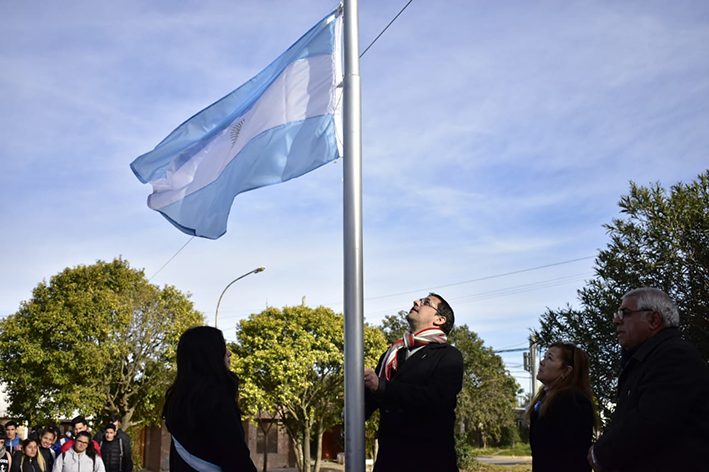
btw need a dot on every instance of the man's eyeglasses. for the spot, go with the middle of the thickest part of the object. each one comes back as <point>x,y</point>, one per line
<point>427,302</point>
<point>620,314</point>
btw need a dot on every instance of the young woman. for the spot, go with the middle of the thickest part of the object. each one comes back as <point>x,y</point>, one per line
<point>562,416</point>
<point>29,459</point>
<point>201,410</point>
<point>49,437</point>
<point>82,457</point>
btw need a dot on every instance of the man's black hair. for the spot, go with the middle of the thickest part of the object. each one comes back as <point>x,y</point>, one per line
<point>445,310</point>
<point>77,420</point>
<point>114,417</point>
<point>11,423</point>
<point>110,426</point>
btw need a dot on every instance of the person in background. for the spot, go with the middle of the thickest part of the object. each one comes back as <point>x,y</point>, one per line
<point>125,441</point>
<point>79,425</point>
<point>203,397</point>
<point>115,456</point>
<point>12,441</point>
<point>82,457</point>
<point>28,459</point>
<point>49,437</point>
<point>562,416</point>
<point>5,456</point>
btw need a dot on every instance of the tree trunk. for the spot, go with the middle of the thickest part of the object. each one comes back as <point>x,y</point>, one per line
<point>298,449</point>
<point>265,440</point>
<point>306,448</point>
<point>318,448</point>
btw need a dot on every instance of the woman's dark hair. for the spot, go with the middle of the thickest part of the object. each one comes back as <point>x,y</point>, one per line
<point>90,449</point>
<point>50,429</point>
<point>577,381</point>
<point>200,369</point>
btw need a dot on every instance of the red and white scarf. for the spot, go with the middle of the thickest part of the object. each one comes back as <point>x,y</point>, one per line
<point>423,337</point>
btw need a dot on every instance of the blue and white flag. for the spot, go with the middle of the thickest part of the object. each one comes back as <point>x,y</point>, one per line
<point>279,125</point>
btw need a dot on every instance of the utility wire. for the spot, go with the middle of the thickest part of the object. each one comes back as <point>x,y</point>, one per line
<point>483,278</point>
<point>173,256</point>
<point>500,292</point>
<point>387,27</point>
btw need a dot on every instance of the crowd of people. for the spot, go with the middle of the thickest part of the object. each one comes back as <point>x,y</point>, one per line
<point>661,419</point>
<point>45,451</point>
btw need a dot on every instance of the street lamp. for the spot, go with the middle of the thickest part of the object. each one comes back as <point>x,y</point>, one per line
<point>255,271</point>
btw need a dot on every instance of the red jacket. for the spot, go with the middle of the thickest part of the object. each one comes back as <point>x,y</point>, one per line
<point>70,443</point>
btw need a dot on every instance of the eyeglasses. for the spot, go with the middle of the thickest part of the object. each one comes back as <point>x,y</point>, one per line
<point>427,302</point>
<point>620,314</point>
<point>85,443</point>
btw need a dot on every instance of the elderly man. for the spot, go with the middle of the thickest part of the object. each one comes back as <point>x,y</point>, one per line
<point>661,420</point>
<point>415,388</point>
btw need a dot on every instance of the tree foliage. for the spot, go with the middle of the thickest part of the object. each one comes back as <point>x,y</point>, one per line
<point>291,363</point>
<point>661,241</point>
<point>98,339</point>
<point>489,396</point>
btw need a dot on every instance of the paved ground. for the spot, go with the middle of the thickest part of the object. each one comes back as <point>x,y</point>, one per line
<point>498,460</point>
<point>325,466</point>
<point>504,460</point>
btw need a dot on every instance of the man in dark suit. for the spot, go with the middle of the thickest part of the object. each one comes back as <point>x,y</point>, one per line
<point>661,419</point>
<point>415,387</point>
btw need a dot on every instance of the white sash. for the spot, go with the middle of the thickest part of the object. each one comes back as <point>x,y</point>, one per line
<point>194,461</point>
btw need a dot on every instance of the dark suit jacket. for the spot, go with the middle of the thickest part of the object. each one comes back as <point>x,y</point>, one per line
<point>561,439</point>
<point>661,420</point>
<point>417,407</point>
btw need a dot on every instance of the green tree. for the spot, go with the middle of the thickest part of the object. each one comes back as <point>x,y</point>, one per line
<point>394,326</point>
<point>662,241</point>
<point>291,363</point>
<point>98,339</point>
<point>489,396</point>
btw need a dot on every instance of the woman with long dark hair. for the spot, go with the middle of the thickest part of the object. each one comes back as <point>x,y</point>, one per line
<point>201,410</point>
<point>29,458</point>
<point>562,416</point>
<point>81,457</point>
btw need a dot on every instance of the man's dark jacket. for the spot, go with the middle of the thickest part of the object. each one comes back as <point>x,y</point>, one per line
<point>661,420</point>
<point>417,408</point>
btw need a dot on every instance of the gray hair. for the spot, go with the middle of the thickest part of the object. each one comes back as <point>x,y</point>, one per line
<point>654,299</point>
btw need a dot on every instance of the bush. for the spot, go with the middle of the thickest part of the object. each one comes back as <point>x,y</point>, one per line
<point>509,436</point>
<point>465,452</point>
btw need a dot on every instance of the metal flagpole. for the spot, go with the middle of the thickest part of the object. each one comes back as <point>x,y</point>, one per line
<point>352,220</point>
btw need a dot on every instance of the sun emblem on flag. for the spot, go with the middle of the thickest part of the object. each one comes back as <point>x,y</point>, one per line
<point>235,131</point>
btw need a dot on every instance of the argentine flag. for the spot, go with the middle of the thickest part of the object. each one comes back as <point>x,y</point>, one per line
<point>279,125</point>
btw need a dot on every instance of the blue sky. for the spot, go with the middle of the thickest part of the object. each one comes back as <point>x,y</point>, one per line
<point>497,137</point>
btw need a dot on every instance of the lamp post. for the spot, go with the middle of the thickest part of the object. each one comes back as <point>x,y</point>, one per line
<point>255,271</point>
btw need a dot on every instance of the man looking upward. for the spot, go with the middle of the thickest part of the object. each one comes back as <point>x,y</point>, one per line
<point>415,387</point>
<point>660,421</point>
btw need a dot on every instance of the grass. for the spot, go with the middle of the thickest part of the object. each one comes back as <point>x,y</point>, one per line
<point>501,468</point>
<point>519,449</point>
